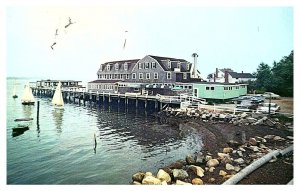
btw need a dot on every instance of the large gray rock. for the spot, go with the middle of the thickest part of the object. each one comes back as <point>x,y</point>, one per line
<point>229,167</point>
<point>180,174</point>
<point>163,176</point>
<point>190,159</point>
<point>200,158</point>
<point>239,161</point>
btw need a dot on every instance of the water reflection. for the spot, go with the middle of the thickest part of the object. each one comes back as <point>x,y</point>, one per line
<point>58,118</point>
<point>27,111</point>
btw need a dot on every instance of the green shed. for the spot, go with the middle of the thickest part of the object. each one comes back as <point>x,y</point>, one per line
<point>218,91</point>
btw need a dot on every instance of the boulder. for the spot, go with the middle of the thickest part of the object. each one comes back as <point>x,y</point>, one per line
<point>180,174</point>
<point>136,183</point>
<point>179,182</point>
<point>164,183</point>
<point>200,158</point>
<point>233,143</point>
<point>243,115</point>
<point>240,153</point>
<point>203,116</point>
<point>163,176</point>
<point>197,181</point>
<point>190,159</point>
<point>197,170</point>
<point>150,180</point>
<point>227,150</point>
<point>222,173</point>
<point>269,123</point>
<point>211,180</point>
<point>242,149</point>
<point>269,136</point>
<point>239,161</point>
<point>229,167</point>
<point>254,148</point>
<point>148,174</point>
<point>290,137</point>
<point>237,168</point>
<point>138,177</point>
<point>223,155</point>
<point>211,169</point>
<point>278,138</point>
<point>212,163</point>
<point>252,141</point>
<point>176,165</point>
<point>208,157</point>
<point>222,116</point>
<point>251,120</point>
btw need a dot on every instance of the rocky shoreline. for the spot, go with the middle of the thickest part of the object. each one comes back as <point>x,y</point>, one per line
<point>230,143</point>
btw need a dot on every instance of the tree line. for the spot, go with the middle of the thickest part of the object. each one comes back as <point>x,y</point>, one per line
<point>277,79</point>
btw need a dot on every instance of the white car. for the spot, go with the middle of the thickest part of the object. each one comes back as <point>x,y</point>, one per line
<point>265,108</point>
<point>273,96</point>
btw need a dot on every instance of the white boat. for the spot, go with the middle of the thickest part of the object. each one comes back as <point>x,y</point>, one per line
<point>14,91</point>
<point>57,99</point>
<point>27,98</point>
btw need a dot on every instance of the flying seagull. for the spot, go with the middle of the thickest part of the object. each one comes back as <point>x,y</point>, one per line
<point>56,32</point>
<point>70,22</point>
<point>124,41</point>
<point>53,45</point>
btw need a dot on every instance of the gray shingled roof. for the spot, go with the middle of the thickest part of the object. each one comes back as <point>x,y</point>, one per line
<point>240,75</point>
<point>160,60</point>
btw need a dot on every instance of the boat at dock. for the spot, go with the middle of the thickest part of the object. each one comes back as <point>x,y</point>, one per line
<point>57,99</point>
<point>27,98</point>
<point>19,130</point>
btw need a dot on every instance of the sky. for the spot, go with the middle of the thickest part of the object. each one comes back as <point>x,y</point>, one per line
<point>233,37</point>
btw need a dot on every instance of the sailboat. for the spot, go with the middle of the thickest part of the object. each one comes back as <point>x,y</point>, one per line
<point>14,91</point>
<point>27,98</point>
<point>57,99</point>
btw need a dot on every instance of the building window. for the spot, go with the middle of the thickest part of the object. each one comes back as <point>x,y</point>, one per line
<point>212,88</point>
<point>155,75</point>
<point>140,75</point>
<point>148,76</point>
<point>125,66</point>
<point>185,76</point>
<point>133,75</point>
<point>206,88</point>
<point>116,76</point>
<point>127,76</point>
<point>196,92</point>
<point>153,65</point>
<point>100,67</point>
<point>108,67</point>
<point>169,75</point>
<point>147,65</point>
<point>140,65</point>
<point>169,64</point>
<point>225,88</point>
<point>187,66</point>
<point>98,76</point>
<point>178,65</point>
<point>117,66</point>
<point>110,76</point>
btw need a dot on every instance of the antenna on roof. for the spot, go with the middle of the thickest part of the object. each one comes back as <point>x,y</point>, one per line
<point>125,40</point>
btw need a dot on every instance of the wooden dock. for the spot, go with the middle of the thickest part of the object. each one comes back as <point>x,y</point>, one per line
<point>157,102</point>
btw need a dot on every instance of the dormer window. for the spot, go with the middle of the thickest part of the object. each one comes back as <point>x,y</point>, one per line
<point>187,66</point>
<point>169,64</point>
<point>117,66</point>
<point>153,65</point>
<point>100,67</point>
<point>108,67</point>
<point>178,65</point>
<point>140,65</point>
<point>125,66</point>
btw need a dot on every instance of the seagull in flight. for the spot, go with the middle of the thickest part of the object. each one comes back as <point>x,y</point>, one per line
<point>70,22</point>
<point>56,32</point>
<point>53,45</point>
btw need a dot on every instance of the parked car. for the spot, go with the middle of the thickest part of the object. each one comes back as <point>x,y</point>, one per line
<point>265,108</point>
<point>246,105</point>
<point>273,96</point>
<point>258,99</point>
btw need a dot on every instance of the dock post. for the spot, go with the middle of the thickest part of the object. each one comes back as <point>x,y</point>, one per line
<point>38,113</point>
<point>109,98</point>
<point>161,106</point>
<point>136,102</point>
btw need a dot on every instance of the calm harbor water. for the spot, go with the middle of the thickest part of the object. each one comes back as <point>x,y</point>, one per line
<point>61,149</point>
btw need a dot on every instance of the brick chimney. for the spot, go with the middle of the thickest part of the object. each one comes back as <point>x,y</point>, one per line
<point>226,76</point>
<point>217,73</point>
<point>214,77</point>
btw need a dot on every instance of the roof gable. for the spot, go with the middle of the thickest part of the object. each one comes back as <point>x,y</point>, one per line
<point>240,75</point>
